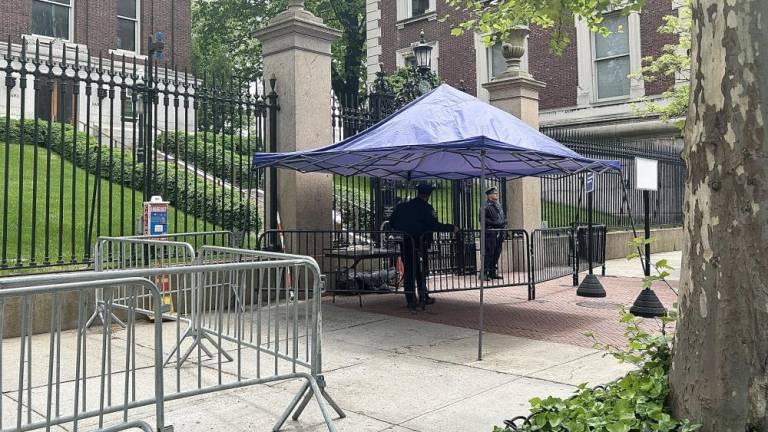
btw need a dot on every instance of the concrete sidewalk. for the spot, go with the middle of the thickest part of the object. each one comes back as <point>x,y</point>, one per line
<point>392,371</point>
<point>634,269</point>
<point>388,373</point>
<point>395,374</point>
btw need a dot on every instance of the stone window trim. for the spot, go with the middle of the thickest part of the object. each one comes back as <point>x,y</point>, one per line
<point>405,12</point>
<point>137,31</point>
<point>70,36</point>
<point>51,45</point>
<point>587,94</point>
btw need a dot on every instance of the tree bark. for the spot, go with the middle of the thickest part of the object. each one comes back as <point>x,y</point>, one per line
<point>719,375</point>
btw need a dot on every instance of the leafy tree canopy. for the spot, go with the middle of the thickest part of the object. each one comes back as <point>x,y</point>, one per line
<point>674,62</point>
<point>224,45</point>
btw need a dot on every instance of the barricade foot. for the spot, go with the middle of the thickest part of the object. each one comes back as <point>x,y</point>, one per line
<point>100,313</point>
<point>291,406</point>
<point>198,336</point>
<point>326,396</point>
<point>312,388</point>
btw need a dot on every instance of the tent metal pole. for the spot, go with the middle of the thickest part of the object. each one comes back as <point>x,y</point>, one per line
<point>482,258</point>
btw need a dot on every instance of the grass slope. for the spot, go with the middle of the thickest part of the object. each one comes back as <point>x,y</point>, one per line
<point>53,228</point>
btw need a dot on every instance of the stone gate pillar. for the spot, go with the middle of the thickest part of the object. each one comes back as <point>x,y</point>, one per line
<point>517,92</point>
<point>296,50</point>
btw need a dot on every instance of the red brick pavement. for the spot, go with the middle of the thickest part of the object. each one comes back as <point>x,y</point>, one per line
<point>557,314</point>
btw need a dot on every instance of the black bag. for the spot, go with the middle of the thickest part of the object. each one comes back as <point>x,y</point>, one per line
<point>375,281</point>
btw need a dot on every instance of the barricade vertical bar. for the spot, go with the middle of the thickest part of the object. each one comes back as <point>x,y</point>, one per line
<point>127,377</point>
<point>22,346</point>
<point>104,357</point>
<point>294,299</point>
<point>264,277</point>
<point>49,387</point>
<point>278,284</point>
<point>78,335</point>
<point>2,338</point>
<point>306,308</point>
<point>30,332</point>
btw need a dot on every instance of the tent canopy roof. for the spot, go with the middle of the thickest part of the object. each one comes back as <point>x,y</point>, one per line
<point>445,134</point>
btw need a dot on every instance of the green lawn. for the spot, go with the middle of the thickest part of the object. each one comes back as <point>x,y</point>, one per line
<point>53,227</point>
<point>563,215</point>
<point>357,190</point>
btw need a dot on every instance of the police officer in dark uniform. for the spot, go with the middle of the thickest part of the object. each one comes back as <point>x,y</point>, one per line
<point>494,240</point>
<point>416,217</point>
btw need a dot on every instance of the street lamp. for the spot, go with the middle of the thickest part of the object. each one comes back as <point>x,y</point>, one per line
<point>423,53</point>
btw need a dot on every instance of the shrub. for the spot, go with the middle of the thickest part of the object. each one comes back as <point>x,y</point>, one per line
<point>186,191</point>
<point>234,143</point>
<point>202,198</point>
<point>215,157</point>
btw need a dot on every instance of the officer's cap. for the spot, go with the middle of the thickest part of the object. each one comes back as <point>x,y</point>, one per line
<point>492,190</point>
<point>425,188</point>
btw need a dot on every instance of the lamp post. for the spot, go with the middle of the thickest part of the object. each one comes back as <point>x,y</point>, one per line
<point>423,54</point>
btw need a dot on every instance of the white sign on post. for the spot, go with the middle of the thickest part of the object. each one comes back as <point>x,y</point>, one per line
<point>589,182</point>
<point>646,174</point>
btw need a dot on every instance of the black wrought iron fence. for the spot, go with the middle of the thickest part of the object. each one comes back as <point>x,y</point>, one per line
<point>85,140</point>
<point>616,202</point>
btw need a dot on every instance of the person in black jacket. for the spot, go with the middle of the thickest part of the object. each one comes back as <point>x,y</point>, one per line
<point>494,240</point>
<point>415,218</point>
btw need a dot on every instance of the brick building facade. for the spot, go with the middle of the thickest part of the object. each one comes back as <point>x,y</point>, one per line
<point>94,25</point>
<point>111,34</point>
<point>587,85</point>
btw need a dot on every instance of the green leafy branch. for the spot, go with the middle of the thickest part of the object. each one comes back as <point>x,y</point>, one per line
<point>662,267</point>
<point>673,62</point>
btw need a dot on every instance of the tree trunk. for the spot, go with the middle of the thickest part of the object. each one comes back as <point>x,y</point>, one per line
<point>719,375</point>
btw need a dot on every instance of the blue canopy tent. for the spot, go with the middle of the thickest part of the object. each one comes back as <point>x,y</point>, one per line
<point>445,134</point>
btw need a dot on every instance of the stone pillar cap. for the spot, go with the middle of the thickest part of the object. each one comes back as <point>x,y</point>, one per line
<point>296,19</point>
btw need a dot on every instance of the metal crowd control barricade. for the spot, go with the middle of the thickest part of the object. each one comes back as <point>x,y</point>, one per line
<point>285,283</point>
<point>197,239</point>
<point>269,334</point>
<point>452,260</point>
<point>54,372</point>
<point>353,261</point>
<point>122,253</point>
<point>554,254</point>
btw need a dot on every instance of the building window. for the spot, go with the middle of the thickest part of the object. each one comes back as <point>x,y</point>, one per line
<point>419,7</point>
<point>127,25</point>
<point>407,9</point>
<point>52,18</point>
<point>611,56</point>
